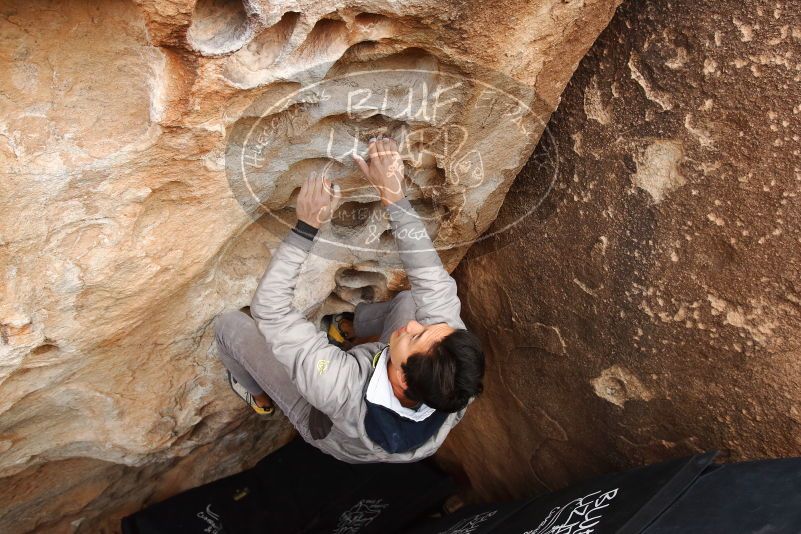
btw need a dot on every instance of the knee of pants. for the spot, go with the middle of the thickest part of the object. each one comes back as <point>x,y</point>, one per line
<point>404,296</point>
<point>223,324</point>
<point>404,300</point>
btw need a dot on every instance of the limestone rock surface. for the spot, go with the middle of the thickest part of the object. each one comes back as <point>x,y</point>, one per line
<point>650,306</point>
<point>124,232</point>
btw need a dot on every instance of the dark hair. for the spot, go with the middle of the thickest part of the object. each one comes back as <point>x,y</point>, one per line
<point>448,374</point>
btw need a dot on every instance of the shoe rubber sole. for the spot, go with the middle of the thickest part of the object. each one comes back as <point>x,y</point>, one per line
<point>247,397</point>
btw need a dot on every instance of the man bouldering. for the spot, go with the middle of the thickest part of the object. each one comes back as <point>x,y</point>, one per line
<point>411,367</point>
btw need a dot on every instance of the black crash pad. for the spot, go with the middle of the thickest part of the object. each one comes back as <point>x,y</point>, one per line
<point>685,496</point>
<point>299,489</point>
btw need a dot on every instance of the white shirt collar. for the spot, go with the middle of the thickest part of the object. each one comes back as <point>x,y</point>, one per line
<point>379,391</point>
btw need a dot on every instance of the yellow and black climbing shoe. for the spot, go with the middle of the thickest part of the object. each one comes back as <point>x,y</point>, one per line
<point>246,396</point>
<point>332,326</point>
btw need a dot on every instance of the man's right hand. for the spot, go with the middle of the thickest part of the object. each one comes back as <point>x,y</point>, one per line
<point>384,170</point>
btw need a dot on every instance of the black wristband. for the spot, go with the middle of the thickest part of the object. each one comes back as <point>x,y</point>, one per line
<point>305,230</point>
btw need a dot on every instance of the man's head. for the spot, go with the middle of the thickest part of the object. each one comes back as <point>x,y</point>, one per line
<point>436,364</point>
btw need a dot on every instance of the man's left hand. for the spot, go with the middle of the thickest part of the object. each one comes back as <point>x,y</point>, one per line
<point>317,199</point>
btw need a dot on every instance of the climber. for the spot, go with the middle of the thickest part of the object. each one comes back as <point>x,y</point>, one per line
<point>378,385</point>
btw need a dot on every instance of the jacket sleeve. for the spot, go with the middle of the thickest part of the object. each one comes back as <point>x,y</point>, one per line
<point>324,374</point>
<point>433,289</point>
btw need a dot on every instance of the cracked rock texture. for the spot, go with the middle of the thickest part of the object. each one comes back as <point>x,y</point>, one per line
<point>121,240</point>
<point>650,307</point>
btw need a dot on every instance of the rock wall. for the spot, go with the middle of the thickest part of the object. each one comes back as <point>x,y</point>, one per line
<point>124,227</point>
<point>650,305</point>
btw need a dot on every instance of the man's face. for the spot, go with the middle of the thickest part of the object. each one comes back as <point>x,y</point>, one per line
<point>413,338</point>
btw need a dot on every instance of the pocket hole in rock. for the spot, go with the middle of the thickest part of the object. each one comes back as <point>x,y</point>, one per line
<point>249,67</point>
<point>219,26</point>
<point>43,349</point>
<point>352,214</point>
<point>356,286</point>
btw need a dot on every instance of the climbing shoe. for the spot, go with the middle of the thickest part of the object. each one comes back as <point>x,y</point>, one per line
<point>332,326</point>
<point>246,396</point>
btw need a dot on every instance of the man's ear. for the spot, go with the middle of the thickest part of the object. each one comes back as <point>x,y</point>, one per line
<point>402,379</point>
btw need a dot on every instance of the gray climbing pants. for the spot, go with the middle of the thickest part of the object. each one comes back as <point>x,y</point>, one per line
<point>245,353</point>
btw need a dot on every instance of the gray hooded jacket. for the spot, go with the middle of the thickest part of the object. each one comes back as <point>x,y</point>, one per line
<point>335,381</point>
